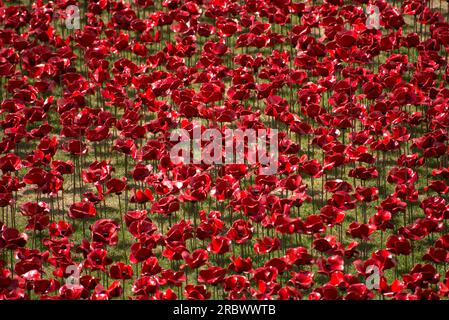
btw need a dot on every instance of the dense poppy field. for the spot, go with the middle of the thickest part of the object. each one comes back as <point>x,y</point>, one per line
<point>94,207</point>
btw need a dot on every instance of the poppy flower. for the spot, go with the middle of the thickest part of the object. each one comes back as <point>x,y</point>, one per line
<point>174,250</point>
<point>239,264</point>
<point>165,295</point>
<point>146,286</point>
<point>116,186</point>
<point>302,279</point>
<point>126,146</point>
<point>11,238</point>
<point>60,229</point>
<point>402,176</point>
<point>358,291</point>
<point>236,284</point>
<point>172,277</point>
<point>421,275</point>
<point>241,231</point>
<point>219,245</point>
<point>361,230</point>
<point>73,293</point>
<point>298,256</point>
<point>10,163</point>
<point>38,215</point>
<point>398,245</point>
<point>199,186</point>
<point>45,286</point>
<point>75,147</point>
<point>213,275</point>
<point>362,143</point>
<point>120,270</point>
<point>314,224</point>
<point>63,167</point>
<point>329,265</point>
<point>134,216</point>
<point>363,173</point>
<point>366,194</point>
<point>139,252</point>
<point>195,260</point>
<point>166,205</point>
<point>331,215</point>
<point>105,231</point>
<point>289,293</point>
<point>97,259</point>
<point>97,172</point>
<point>141,171</point>
<point>437,185</point>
